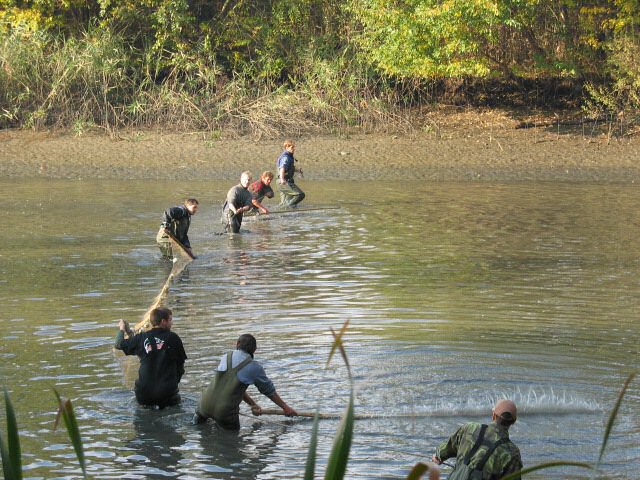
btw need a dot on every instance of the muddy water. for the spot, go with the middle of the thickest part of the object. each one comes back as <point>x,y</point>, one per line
<point>455,297</point>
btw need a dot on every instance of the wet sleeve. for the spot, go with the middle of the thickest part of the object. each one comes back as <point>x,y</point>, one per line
<point>185,241</point>
<point>119,340</point>
<point>232,197</point>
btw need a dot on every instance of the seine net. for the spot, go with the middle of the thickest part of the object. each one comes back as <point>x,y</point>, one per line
<point>181,258</point>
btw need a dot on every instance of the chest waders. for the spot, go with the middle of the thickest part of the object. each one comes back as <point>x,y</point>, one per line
<point>221,400</point>
<point>463,471</point>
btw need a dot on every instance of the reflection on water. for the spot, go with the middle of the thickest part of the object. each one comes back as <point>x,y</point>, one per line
<point>457,294</point>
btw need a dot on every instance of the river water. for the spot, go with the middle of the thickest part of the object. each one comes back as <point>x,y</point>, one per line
<point>457,294</point>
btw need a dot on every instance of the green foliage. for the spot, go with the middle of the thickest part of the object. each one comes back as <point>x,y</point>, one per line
<point>544,466</point>
<point>613,415</point>
<point>65,410</point>
<point>428,39</point>
<point>620,97</point>
<point>310,464</point>
<point>212,64</point>
<point>10,451</point>
<point>339,456</point>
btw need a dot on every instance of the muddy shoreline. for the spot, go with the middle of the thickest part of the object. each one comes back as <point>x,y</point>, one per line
<point>465,149</point>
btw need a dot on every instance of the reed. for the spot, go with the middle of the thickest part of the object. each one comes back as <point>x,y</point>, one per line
<point>10,451</point>
<point>99,81</point>
<point>605,439</point>
<point>65,411</point>
<point>339,456</point>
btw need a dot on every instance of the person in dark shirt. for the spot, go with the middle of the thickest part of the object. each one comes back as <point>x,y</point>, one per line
<point>260,189</point>
<point>237,203</point>
<point>162,358</point>
<point>176,220</point>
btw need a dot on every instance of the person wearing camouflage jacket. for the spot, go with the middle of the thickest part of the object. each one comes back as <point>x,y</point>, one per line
<point>491,458</point>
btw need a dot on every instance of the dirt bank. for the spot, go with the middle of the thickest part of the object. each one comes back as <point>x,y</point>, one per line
<point>476,145</point>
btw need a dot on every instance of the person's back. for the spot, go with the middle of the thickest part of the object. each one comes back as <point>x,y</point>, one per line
<point>490,458</point>
<point>162,358</point>
<point>221,399</point>
<point>160,367</point>
<point>483,452</point>
<point>235,372</point>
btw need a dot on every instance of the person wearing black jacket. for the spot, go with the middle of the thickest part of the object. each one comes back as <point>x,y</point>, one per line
<point>162,358</point>
<point>176,221</point>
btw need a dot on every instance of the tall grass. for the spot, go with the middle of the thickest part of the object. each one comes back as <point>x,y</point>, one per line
<point>339,456</point>
<point>98,81</point>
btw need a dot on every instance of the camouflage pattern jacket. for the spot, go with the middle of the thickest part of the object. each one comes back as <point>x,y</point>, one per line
<point>504,460</point>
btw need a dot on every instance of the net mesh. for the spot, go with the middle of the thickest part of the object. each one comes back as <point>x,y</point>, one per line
<point>181,258</point>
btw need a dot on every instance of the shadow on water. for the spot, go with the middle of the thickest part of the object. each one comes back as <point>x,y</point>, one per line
<point>164,444</point>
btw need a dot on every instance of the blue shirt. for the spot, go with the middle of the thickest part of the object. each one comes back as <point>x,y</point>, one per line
<point>286,161</point>
<point>250,374</point>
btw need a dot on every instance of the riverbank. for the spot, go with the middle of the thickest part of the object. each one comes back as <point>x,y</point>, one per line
<point>464,146</point>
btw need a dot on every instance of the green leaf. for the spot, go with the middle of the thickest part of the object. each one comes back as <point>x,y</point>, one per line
<point>612,416</point>
<point>11,458</point>
<point>310,466</point>
<point>65,409</point>
<point>337,344</point>
<point>339,457</point>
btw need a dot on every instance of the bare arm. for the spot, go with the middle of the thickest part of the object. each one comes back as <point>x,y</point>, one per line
<point>255,408</point>
<point>288,411</point>
<point>261,208</point>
